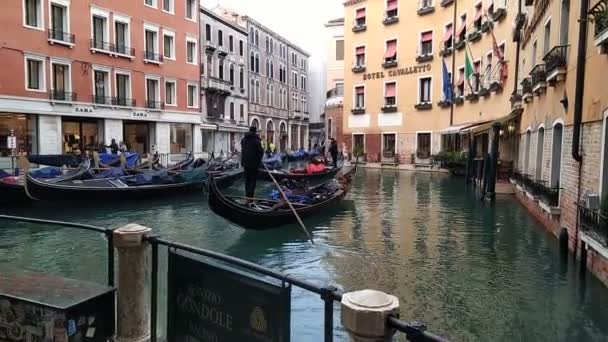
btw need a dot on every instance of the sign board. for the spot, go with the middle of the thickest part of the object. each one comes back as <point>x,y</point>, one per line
<point>11,142</point>
<point>208,302</point>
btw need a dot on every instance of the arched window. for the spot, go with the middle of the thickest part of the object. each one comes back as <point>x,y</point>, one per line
<point>257,91</point>
<point>303,104</point>
<point>271,45</point>
<point>231,75</point>
<point>271,70</point>
<point>268,94</point>
<point>251,62</point>
<point>267,68</point>
<point>257,38</point>
<point>251,35</point>
<point>255,123</point>
<point>241,78</point>
<point>270,132</point>
<point>209,66</point>
<point>271,102</point>
<point>257,63</point>
<point>267,44</point>
<point>540,150</point>
<point>221,70</point>
<point>252,91</point>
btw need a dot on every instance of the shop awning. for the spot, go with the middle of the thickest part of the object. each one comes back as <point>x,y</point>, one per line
<point>487,126</point>
<point>208,126</point>
<point>462,128</point>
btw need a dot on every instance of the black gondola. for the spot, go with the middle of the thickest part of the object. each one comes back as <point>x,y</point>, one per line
<point>257,219</point>
<point>279,175</point>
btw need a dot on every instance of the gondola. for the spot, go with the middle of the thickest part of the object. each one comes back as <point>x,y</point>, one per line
<point>152,184</point>
<point>263,216</point>
<point>279,174</point>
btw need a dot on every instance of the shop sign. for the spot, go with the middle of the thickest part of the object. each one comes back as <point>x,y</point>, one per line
<point>11,142</point>
<point>139,114</point>
<point>397,72</point>
<point>212,302</point>
<point>352,2</point>
<point>83,110</point>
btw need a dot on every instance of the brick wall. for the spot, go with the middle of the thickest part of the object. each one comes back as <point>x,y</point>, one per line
<point>407,147</point>
<point>335,114</point>
<point>550,223</point>
<point>373,147</point>
<point>598,265</point>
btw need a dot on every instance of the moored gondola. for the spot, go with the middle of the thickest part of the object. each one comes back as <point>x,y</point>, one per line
<point>266,214</point>
<point>280,174</point>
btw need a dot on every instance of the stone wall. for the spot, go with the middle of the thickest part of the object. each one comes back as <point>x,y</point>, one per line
<point>546,176</point>
<point>550,223</point>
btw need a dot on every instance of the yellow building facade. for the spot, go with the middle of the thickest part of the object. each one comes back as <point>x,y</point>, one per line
<point>394,104</point>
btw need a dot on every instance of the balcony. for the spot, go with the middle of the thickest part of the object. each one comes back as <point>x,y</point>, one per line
<point>60,37</point>
<point>209,47</point>
<point>485,26</point>
<point>390,63</point>
<point>389,108</point>
<point>425,7</point>
<point>61,95</point>
<point>358,111</point>
<point>359,27</point>
<point>357,69</point>
<point>594,224</point>
<point>101,46</point>
<point>526,90</point>
<point>599,16</point>
<point>101,100</point>
<point>444,104</point>
<point>124,51</point>
<point>472,97</point>
<point>539,79</point>
<point>334,97</point>
<point>548,197</point>
<point>460,44</point>
<point>217,85</point>
<point>516,99</point>
<point>484,91</point>
<point>123,101</point>
<point>445,3</point>
<point>152,104</point>
<point>459,100</point>
<point>499,14</point>
<point>446,51</point>
<point>424,58</point>
<point>474,36</point>
<point>427,105</point>
<point>389,20</point>
<point>153,57</point>
<point>495,85</point>
<point>556,63</point>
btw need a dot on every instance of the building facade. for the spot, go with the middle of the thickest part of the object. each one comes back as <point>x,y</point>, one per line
<point>559,174</point>
<point>395,108</point>
<point>224,83</point>
<point>86,72</point>
<point>334,82</point>
<point>273,64</point>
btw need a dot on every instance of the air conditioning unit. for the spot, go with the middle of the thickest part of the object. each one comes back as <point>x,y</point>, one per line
<point>592,201</point>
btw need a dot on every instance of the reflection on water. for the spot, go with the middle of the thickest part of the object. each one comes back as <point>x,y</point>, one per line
<point>471,271</point>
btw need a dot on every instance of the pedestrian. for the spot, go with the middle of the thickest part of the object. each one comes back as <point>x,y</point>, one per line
<point>251,158</point>
<point>333,150</point>
<point>323,148</point>
<point>113,147</point>
<point>122,147</point>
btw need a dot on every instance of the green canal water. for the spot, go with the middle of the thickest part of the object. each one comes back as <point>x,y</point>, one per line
<point>469,270</point>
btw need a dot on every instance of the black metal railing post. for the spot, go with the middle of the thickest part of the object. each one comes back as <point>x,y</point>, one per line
<point>110,237</point>
<point>154,289</point>
<point>328,299</point>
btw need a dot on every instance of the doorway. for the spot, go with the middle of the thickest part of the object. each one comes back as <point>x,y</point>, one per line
<point>137,136</point>
<point>80,135</point>
<point>556,155</point>
<point>540,149</point>
<point>423,145</point>
<point>389,145</point>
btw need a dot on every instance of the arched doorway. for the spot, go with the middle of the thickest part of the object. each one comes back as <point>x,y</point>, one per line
<point>283,137</point>
<point>527,153</point>
<point>270,132</point>
<point>556,155</point>
<point>255,123</point>
<point>540,150</point>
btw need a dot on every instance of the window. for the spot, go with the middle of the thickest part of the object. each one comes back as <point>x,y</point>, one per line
<point>25,130</point>
<point>210,69</point>
<point>478,16</point>
<point>257,38</point>
<point>534,53</point>
<point>35,79</point>
<point>475,82</point>
<point>151,43</point>
<point>488,69</point>
<point>390,94</point>
<point>208,32</point>
<point>122,36</point>
<point>556,155</point>
<point>304,104</point>
<point>360,97</point>
<point>152,93</point>
<point>60,81</point>
<point>252,91</point>
<point>33,13</point>
<point>271,69</point>
<point>241,49</point>
<point>358,143</point>
<point>462,31</point>
<point>251,62</point>
<point>220,38</point>
<point>181,138</point>
<point>303,82</point>
<point>100,31</point>
<point>294,102</point>
<point>231,110</point>
<point>169,45</point>
<point>547,39</point>
<point>257,63</point>
<point>242,112</point>
<point>392,8</point>
<point>426,3</point>
<point>59,22</point>
<point>391,51</point>
<point>294,59</point>
<point>360,17</point>
<point>267,45</point>
<point>460,83</point>
<point>123,89</point>
<point>221,70</point>
<point>102,93</point>
<point>151,3</point>
<point>340,50</point>
<point>170,93</point>
<point>257,91</point>
<point>447,37</point>
<point>191,51</point>
<point>267,68</point>
<point>271,46</point>
<point>424,90</point>
<point>192,97</point>
<point>564,22</point>
<point>231,43</point>
<point>168,6</point>
<point>271,96</point>
<point>294,77</point>
<point>231,75</point>
<point>360,56</point>
<point>241,78</point>
<point>540,150</point>
<point>426,43</point>
<point>191,10</point>
<point>423,145</point>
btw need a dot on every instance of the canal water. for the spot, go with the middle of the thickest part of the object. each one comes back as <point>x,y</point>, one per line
<point>470,270</point>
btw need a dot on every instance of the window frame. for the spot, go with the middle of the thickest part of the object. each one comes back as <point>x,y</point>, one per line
<point>432,42</point>
<point>171,9</point>
<point>118,18</point>
<point>355,96</point>
<point>98,12</point>
<point>241,48</point>
<point>129,89</point>
<point>156,29</point>
<point>60,61</point>
<point>157,95</point>
<point>169,33</point>
<point>39,15</point>
<point>42,72</point>
<point>194,53</point>
<point>154,4</point>
<point>195,99</point>
<point>396,58</point>
<point>384,102</point>
<point>194,11</point>
<point>546,44</point>
<point>356,9</point>
<point>420,79</point>
<point>303,81</point>
<point>336,50</point>
<point>66,5</point>
<point>364,46</point>
<point>174,82</point>
<point>108,71</point>
<point>386,16</point>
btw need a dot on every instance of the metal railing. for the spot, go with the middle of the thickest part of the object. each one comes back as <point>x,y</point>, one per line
<point>101,45</point>
<point>538,75</point>
<point>594,223</point>
<point>556,58</point>
<point>547,194</point>
<point>61,36</point>
<point>153,56</point>
<point>61,95</point>
<point>154,104</point>
<point>599,15</point>
<point>526,85</point>
<point>123,101</point>
<point>101,99</point>
<point>335,92</point>
<point>124,50</point>
<point>414,331</point>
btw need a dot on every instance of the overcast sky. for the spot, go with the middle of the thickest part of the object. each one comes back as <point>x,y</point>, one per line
<point>300,21</point>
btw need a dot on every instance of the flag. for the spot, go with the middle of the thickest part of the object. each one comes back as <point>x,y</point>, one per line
<point>447,84</point>
<point>469,71</point>
<point>504,69</point>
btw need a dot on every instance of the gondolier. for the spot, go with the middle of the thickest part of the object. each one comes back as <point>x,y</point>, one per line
<point>333,150</point>
<point>251,157</point>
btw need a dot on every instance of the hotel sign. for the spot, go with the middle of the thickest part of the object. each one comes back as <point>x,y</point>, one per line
<point>353,2</point>
<point>397,72</point>
<point>208,302</point>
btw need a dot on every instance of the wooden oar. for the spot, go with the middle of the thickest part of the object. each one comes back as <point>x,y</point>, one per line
<point>289,203</point>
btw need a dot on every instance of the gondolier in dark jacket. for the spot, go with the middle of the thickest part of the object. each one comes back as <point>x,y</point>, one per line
<point>333,150</point>
<point>251,158</point>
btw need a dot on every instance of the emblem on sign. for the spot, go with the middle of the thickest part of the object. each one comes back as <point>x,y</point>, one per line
<point>258,321</point>
<point>11,142</point>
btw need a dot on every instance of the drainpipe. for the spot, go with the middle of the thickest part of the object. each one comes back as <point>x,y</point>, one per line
<point>453,61</point>
<point>515,85</point>
<point>580,82</point>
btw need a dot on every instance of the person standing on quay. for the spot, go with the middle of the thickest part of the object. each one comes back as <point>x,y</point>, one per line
<point>251,157</point>
<point>333,150</point>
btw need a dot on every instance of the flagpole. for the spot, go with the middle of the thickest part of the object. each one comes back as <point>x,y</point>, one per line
<point>453,61</point>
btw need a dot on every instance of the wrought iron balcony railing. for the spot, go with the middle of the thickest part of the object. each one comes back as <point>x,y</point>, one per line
<point>101,45</point>
<point>547,194</point>
<point>61,95</point>
<point>123,101</point>
<point>154,104</point>
<point>101,99</point>
<point>526,86</point>
<point>124,50</point>
<point>538,74</point>
<point>556,58</point>
<point>335,92</point>
<point>594,223</point>
<point>61,36</point>
<point>599,16</point>
<point>153,56</point>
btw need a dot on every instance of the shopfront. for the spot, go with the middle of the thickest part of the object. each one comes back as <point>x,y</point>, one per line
<point>24,128</point>
<point>181,138</point>
<point>138,136</point>
<point>81,134</point>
